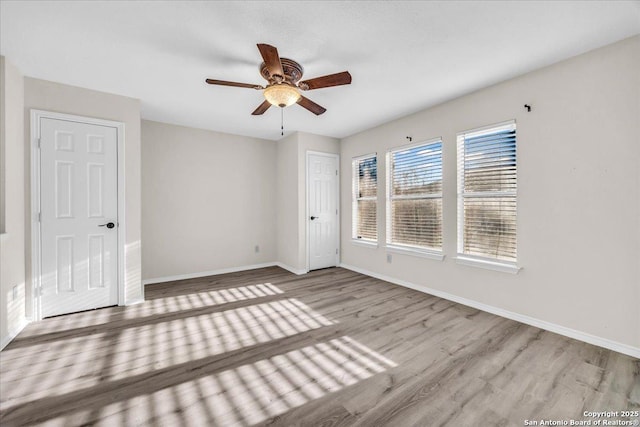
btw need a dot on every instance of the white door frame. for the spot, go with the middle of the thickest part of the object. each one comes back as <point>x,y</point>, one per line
<point>36,284</point>
<point>306,217</point>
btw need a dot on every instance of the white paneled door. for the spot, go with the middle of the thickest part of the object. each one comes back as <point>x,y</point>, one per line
<point>79,210</point>
<point>322,191</point>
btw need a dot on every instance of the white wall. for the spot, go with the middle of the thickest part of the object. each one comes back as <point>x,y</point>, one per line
<point>287,230</point>
<point>208,199</point>
<point>12,239</point>
<point>578,194</point>
<point>50,96</point>
<point>292,193</point>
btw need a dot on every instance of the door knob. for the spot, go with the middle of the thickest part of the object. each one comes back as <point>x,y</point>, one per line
<point>108,225</point>
<point>314,217</point>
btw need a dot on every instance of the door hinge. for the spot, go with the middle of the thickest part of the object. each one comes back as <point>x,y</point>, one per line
<point>336,211</point>
<point>39,142</point>
<point>39,216</point>
<point>336,251</point>
<point>336,172</point>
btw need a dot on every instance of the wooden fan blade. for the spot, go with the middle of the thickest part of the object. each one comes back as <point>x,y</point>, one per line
<point>234,84</point>
<point>261,108</point>
<point>271,59</point>
<point>338,79</point>
<point>311,106</point>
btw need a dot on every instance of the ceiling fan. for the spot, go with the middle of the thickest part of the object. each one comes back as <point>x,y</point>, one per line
<point>283,88</point>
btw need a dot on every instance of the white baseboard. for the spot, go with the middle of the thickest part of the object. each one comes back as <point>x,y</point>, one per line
<point>13,333</point>
<point>542,324</point>
<point>291,269</point>
<point>206,273</point>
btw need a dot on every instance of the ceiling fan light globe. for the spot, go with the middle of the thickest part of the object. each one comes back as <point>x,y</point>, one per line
<point>281,95</point>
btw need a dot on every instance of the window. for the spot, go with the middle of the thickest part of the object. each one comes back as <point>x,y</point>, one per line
<point>414,202</point>
<point>487,193</point>
<point>365,191</point>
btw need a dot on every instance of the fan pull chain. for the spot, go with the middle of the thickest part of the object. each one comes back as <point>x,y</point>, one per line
<point>281,121</point>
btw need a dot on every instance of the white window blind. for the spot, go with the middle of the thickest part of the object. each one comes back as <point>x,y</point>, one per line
<point>414,196</point>
<point>487,183</point>
<point>365,193</point>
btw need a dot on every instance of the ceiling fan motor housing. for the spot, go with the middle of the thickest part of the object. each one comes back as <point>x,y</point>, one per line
<point>293,71</point>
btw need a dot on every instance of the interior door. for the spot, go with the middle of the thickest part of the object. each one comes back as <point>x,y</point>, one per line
<point>79,207</point>
<point>322,191</point>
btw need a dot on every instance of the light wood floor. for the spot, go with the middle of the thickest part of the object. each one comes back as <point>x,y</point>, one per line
<point>330,348</point>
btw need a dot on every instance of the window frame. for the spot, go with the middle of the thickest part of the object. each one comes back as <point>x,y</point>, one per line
<point>355,198</point>
<point>486,262</point>
<point>403,248</point>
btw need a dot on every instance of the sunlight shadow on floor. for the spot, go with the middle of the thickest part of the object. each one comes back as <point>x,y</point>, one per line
<point>255,392</point>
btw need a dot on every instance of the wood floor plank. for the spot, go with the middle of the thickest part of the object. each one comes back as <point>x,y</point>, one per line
<point>332,348</point>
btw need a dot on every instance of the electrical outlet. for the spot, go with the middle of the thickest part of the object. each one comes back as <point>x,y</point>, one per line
<point>389,258</point>
<point>257,248</point>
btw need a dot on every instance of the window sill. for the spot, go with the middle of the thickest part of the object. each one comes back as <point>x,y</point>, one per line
<point>435,255</point>
<point>366,243</point>
<point>505,267</point>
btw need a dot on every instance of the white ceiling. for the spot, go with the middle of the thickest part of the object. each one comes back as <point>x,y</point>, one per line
<point>403,56</point>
